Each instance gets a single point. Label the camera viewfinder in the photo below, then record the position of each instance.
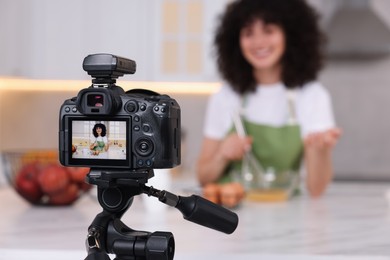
(95, 100)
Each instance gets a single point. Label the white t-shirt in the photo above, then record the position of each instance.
(99, 139)
(268, 105)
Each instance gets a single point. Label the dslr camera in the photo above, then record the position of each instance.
(122, 136)
(106, 127)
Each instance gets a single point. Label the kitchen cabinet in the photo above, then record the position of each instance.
(171, 40)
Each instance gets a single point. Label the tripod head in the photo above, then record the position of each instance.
(116, 191)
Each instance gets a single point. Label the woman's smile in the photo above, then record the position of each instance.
(262, 44)
(262, 53)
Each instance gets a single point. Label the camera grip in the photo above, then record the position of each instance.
(203, 212)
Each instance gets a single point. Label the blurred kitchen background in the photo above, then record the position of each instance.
(43, 43)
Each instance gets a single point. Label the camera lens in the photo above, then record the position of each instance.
(95, 100)
(144, 147)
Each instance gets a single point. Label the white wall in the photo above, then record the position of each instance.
(361, 98)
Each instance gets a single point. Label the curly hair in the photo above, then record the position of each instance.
(99, 125)
(303, 57)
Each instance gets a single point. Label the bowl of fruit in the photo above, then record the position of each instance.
(38, 177)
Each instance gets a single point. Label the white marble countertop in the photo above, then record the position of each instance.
(351, 221)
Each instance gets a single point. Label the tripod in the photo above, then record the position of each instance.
(116, 190)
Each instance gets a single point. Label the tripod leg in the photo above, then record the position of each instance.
(97, 255)
(107, 234)
(95, 241)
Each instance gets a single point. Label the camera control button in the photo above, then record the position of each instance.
(163, 109)
(148, 163)
(67, 109)
(140, 162)
(136, 128)
(131, 106)
(146, 128)
(74, 109)
(136, 118)
(144, 146)
(143, 107)
(156, 108)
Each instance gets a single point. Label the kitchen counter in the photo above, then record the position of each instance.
(351, 221)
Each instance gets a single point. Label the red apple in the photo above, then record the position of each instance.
(77, 174)
(53, 178)
(66, 196)
(26, 183)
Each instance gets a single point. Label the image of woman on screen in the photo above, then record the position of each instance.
(99, 141)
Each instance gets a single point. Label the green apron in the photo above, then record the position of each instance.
(278, 150)
(100, 146)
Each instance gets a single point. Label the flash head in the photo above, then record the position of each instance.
(108, 66)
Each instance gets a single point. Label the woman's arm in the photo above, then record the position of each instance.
(92, 146)
(318, 160)
(216, 154)
(106, 144)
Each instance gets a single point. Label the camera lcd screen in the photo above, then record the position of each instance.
(99, 142)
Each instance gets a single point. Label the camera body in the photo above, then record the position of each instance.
(106, 127)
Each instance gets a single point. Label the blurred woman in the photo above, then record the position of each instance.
(269, 52)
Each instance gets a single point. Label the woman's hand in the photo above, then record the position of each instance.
(234, 147)
(325, 140)
(92, 146)
(318, 159)
(217, 154)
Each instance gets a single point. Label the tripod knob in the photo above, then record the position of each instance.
(160, 245)
(114, 199)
